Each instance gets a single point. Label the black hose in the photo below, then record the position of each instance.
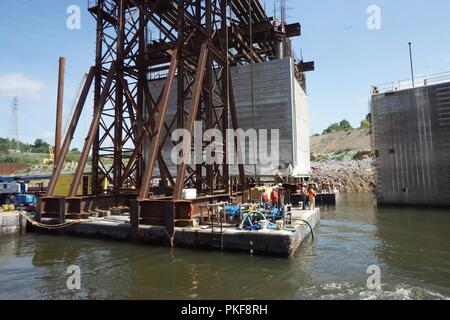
(310, 227)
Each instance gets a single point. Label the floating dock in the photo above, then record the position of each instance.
(229, 238)
(321, 198)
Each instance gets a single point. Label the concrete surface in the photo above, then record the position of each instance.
(279, 103)
(11, 223)
(412, 142)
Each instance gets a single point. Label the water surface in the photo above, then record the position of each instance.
(411, 246)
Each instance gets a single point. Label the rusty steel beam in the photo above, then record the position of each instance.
(194, 106)
(100, 32)
(70, 133)
(59, 107)
(208, 97)
(224, 34)
(92, 132)
(119, 97)
(153, 151)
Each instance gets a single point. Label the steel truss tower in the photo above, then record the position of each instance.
(188, 44)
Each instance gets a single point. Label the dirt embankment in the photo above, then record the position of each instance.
(357, 139)
(7, 169)
(346, 158)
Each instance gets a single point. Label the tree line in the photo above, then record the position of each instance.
(345, 125)
(39, 146)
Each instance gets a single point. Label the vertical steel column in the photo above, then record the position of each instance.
(143, 82)
(207, 96)
(225, 91)
(95, 185)
(199, 183)
(119, 94)
(59, 108)
(180, 72)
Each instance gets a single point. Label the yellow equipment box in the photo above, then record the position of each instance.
(63, 186)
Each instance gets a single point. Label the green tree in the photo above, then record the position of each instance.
(367, 122)
(38, 143)
(39, 146)
(344, 125)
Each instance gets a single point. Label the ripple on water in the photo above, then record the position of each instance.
(352, 291)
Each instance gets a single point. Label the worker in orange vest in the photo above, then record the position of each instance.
(264, 199)
(312, 198)
(274, 197)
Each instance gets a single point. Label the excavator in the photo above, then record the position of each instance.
(51, 157)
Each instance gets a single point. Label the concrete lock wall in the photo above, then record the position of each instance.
(279, 102)
(412, 142)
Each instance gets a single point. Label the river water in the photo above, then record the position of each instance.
(410, 246)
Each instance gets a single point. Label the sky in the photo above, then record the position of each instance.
(349, 56)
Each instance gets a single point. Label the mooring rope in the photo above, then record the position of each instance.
(172, 239)
(47, 226)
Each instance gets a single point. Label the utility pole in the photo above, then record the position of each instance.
(412, 66)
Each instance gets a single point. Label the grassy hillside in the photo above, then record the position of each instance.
(340, 145)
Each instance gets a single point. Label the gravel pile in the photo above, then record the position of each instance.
(350, 176)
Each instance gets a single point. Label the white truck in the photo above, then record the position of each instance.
(8, 189)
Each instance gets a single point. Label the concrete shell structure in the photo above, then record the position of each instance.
(412, 143)
(279, 103)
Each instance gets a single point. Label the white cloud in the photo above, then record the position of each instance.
(18, 85)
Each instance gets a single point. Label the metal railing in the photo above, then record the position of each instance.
(421, 81)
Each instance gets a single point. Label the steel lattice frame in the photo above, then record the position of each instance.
(197, 41)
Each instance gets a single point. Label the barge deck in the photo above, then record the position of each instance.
(283, 242)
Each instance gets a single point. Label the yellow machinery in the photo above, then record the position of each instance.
(8, 207)
(51, 157)
(63, 186)
(84, 189)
